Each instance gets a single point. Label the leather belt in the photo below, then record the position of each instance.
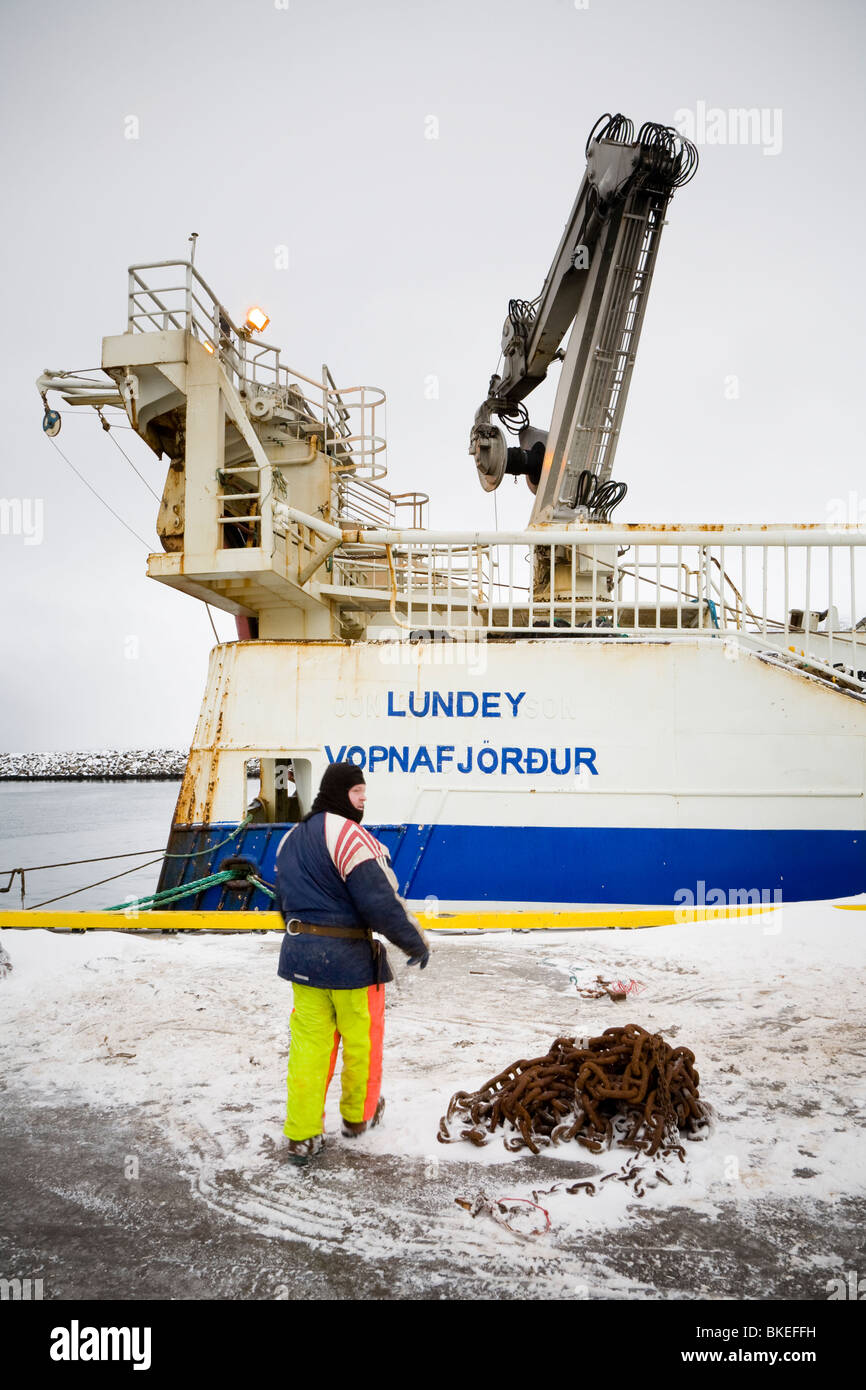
(297, 928)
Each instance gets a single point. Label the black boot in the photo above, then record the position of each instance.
(351, 1131)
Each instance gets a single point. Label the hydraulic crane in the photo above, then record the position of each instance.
(597, 285)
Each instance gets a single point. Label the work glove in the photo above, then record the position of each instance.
(420, 959)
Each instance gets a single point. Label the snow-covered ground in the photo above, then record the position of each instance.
(192, 1031)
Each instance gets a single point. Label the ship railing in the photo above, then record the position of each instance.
(348, 421)
(453, 578)
(361, 502)
(795, 590)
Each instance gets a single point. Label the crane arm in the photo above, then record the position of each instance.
(597, 285)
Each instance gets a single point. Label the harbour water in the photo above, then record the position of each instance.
(52, 822)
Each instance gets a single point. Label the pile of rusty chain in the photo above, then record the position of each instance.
(627, 1084)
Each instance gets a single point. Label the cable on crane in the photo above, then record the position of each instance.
(608, 497)
(672, 146)
(585, 488)
(617, 128)
(98, 496)
(665, 139)
(108, 429)
(119, 518)
(600, 499)
(115, 425)
(516, 418)
(522, 311)
(521, 314)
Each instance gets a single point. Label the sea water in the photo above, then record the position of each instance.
(51, 822)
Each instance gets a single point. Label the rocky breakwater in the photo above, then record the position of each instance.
(107, 764)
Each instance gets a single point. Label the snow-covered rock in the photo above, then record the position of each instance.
(107, 763)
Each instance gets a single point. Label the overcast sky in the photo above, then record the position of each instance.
(306, 124)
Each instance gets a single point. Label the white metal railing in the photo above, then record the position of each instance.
(346, 420)
(797, 591)
(428, 582)
(364, 503)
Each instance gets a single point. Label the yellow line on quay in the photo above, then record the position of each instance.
(589, 919)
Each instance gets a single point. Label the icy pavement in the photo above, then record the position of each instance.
(143, 1087)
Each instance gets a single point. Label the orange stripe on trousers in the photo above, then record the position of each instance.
(376, 1005)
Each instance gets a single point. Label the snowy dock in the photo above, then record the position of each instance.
(144, 1097)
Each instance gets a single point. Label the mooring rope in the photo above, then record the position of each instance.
(127, 854)
(171, 895)
(111, 877)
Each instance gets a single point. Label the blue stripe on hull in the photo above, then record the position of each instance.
(619, 865)
(540, 864)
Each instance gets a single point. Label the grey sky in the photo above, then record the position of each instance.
(306, 126)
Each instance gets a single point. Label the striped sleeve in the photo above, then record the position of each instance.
(350, 845)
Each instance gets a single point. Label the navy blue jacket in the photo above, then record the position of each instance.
(332, 872)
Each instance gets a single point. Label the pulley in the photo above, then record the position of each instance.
(491, 455)
(51, 421)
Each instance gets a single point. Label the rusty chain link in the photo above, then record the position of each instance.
(627, 1084)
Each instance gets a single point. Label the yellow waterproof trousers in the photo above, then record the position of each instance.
(320, 1018)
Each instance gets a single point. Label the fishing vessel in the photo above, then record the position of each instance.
(581, 717)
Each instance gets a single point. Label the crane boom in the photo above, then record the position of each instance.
(597, 285)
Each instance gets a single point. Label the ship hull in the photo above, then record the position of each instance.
(538, 773)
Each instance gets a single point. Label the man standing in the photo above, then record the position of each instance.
(335, 887)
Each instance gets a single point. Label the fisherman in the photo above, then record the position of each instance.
(335, 887)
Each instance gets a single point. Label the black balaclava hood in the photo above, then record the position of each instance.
(333, 791)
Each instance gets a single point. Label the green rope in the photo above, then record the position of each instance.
(186, 890)
(260, 883)
(197, 854)
(169, 895)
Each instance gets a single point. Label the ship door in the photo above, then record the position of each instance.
(284, 794)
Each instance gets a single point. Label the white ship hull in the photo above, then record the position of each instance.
(547, 772)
